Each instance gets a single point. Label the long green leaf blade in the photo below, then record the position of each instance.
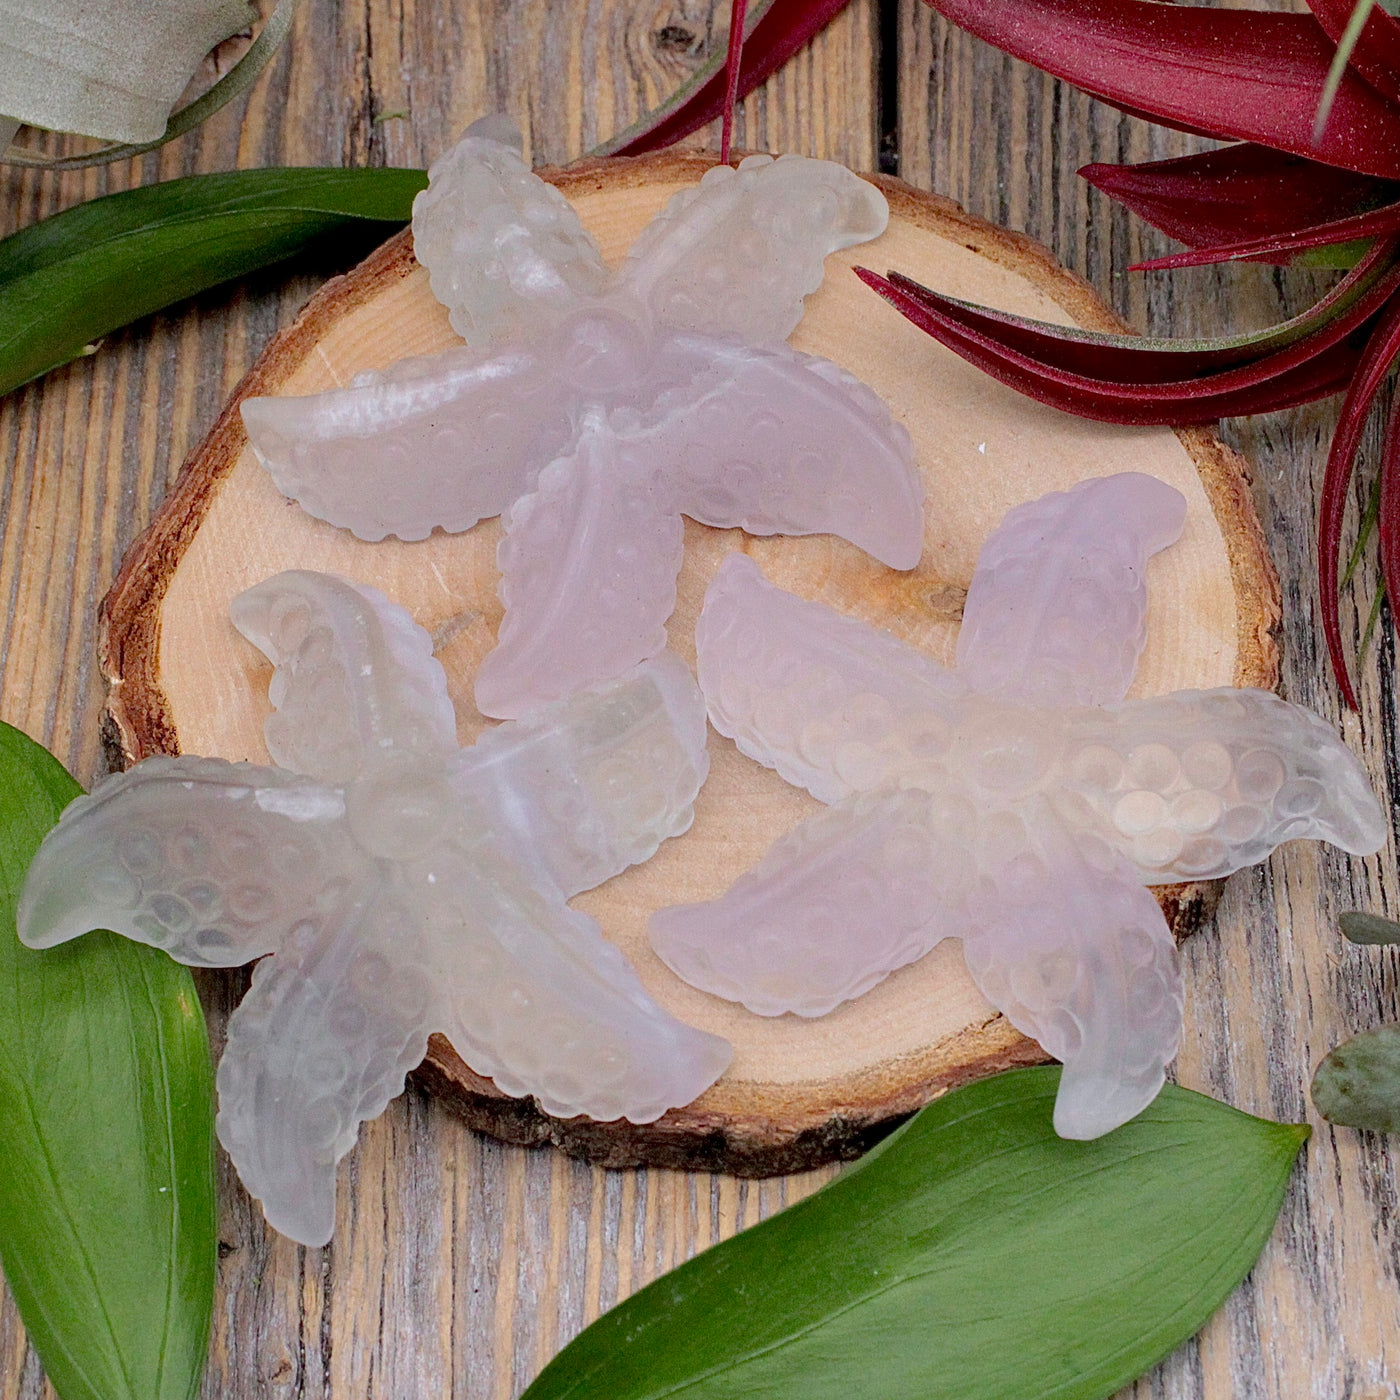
(107, 1211)
(972, 1256)
(71, 279)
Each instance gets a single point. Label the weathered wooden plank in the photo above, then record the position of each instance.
(1272, 986)
(459, 1266)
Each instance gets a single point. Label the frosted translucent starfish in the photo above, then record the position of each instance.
(1017, 802)
(597, 408)
(400, 884)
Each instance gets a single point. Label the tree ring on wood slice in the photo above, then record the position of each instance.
(800, 1092)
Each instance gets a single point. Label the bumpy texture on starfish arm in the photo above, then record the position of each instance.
(407, 888)
(1057, 611)
(444, 441)
(1062, 939)
(543, 1004)
(433, 442)
(214, 862)
(354, 676)
(825, 700)
(740, 251)
(764, 438)
(1201, 783)
(505, 251)
(588, 576)
(321, 1043)
(596, 783)
(775, 442)
(834, 907)
(1038, 806)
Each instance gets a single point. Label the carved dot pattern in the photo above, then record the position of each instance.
(1040, 818)
(502, 247)
(370, 884)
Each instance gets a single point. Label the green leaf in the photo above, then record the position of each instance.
(1358, 1084)
(107, 1215)
(1369, 928)
(1346, 46)
(972, 1256)
(71, 279)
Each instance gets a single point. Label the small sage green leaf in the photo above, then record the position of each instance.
(972, 1256)
(70, 280)
(1360, 927)
(1358, 1084)
(107, 1215)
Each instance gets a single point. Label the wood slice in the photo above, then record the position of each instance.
(800, 1092)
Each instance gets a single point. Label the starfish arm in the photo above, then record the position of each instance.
(540, 1002)
(588, 576)
(1197, 784)
(739, 252)
(836, 905)
(506, 253)
(780, 443)
(354, 675)
(217, 863)
(1064, 940)
(320, 1044)
(1056, 614)
(432, 442)
(593, 784)
(833, 705)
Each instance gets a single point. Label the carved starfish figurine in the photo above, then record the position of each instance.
(596, 409)
(394, 885)
(1017, 802)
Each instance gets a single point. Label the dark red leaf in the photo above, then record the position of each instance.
(1285, 246)
(1233, 74)
(1311, 368)
(1137, 366)
(1242, 191)
(1380, 353)
(776, 30)
(1377, 53)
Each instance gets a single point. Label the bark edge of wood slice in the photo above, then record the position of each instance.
(1218, 628)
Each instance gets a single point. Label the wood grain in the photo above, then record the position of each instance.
(466, 1264)
(799, 1092)
(1273, 986)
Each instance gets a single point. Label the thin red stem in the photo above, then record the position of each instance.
(732, 61)
(1388, 516)
(1381, 351)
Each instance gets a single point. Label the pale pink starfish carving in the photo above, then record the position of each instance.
(595, 409)
(394, 885)
(1016, 802)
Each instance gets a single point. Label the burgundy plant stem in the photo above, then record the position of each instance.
(1388, 519)
(1374, 224)
(733, 60)
(1242, 191)
(1380, 353)
(781, 29)
(1377, 53)
(1233, 74)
